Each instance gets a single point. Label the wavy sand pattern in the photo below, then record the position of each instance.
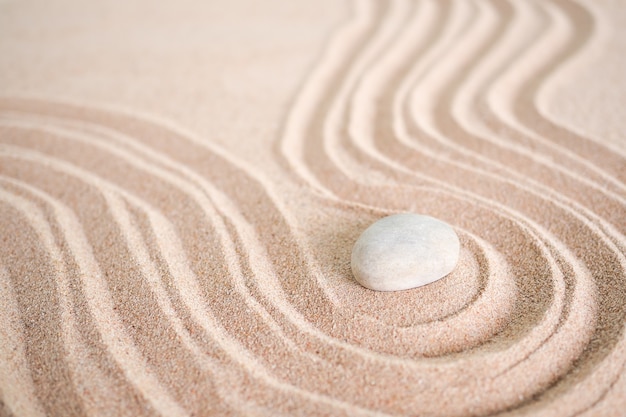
(147, 270)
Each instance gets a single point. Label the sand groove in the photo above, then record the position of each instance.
(147, 271)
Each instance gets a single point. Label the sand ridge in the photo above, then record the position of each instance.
(147, 269)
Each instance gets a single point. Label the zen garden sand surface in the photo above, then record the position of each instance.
(182, 184)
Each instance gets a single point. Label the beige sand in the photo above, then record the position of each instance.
(181, 185)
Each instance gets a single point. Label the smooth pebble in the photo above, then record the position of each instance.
(404, 251)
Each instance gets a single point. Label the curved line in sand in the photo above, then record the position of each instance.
(405, 362)
(198, 197)
(18, 387)
(187, 286)
(109, 326)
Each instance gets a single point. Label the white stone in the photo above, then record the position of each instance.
(404, 251)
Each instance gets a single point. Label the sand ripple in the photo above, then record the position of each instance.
(145, 271)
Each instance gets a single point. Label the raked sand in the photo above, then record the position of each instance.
(181, 184)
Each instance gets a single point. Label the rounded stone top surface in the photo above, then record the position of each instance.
(404, 251)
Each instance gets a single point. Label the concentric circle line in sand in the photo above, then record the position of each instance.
(560, 248)
(184, 277)
(619, 256)
(18, 388)
(595, 386)
(621, 371)
(494, 283)
(111, 329)
(543, 233)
